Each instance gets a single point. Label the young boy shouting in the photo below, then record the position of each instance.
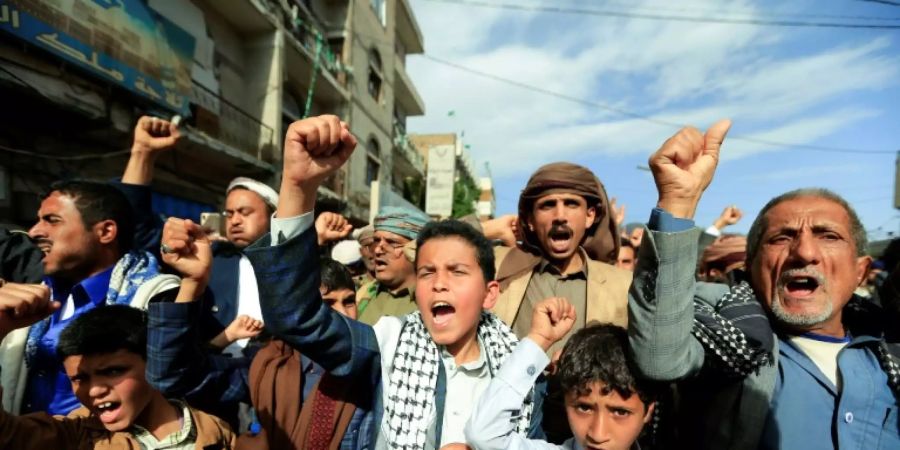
(427, 369)
(607, 407)
(104, 354)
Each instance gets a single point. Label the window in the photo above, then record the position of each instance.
(373, 161)
(380, 8)
(375, 75)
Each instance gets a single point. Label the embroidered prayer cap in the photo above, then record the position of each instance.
(601, 239)
(406, 222)
(263, 190)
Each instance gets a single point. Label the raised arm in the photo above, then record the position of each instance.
(178, 363)
(660, 306)
(287, 264)
(152, 137)
(492, 425)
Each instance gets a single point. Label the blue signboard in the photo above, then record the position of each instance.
(122, 41)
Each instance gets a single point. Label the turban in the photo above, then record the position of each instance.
(364, 233)
(724, 251)
(405, 222)
(601, 240)
(269, 196)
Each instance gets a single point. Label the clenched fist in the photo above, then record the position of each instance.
(684, 166)
(22, 305)
(331, 227)
(153, 135)
(551, 320)
(186, 248)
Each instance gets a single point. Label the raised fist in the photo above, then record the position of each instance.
(314, 148)
(153, 135)
(684, 166)
(186, 248)
(331, 227)
(22, 305)
(503, 228)
(730, 216)
(618, 212)
(551, 320)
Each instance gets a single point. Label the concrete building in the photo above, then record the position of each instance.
(487, 201)
(455, 173)
(76, 75)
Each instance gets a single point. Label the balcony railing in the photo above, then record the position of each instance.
(230, 124)
(406, 149)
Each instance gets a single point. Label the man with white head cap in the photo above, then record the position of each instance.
(248, 206)
(233, 291)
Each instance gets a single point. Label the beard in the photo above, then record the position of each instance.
(801, 320)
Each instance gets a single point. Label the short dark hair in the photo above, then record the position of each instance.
(626, 243)
(105, 329)
(97, 202)
(599, 352)
(335, 276)
(484, 251)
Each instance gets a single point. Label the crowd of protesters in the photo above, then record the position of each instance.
(557, 327)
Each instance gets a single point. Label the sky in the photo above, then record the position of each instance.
(606, 91)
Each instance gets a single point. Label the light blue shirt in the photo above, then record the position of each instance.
(493, 421)
(808, 411)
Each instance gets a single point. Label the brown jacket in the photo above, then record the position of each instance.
(607, 292)
(79, 431)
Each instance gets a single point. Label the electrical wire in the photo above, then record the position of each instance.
(669, 7)
(667, 17)
(643, 117)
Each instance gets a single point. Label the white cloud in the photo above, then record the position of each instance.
(676, 71)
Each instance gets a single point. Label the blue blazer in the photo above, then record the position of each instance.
(288, 278)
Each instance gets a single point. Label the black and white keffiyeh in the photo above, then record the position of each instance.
(738, 338)
(410, 407)
(735, 351)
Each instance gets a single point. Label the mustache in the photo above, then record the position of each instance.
(42, 241)
(786, 276)
(561, 230)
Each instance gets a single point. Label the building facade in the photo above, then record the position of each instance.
(76, 75)
(453, 188)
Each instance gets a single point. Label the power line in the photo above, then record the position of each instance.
(645, 118)
(681, 9)
(667, 17)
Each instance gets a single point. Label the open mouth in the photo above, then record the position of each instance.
(44, 246)
(442, 313)
(560, 238)
(801, 285)
(379, 263)
(108, 412)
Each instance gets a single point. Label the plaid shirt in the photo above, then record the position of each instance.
(178, 366)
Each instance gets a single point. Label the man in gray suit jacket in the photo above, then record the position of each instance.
(829, 381)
